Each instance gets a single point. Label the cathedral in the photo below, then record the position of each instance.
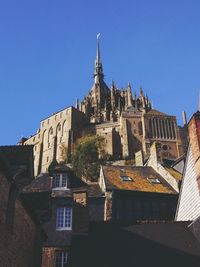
(127, 121)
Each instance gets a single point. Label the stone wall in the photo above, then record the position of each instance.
(194, 136)
(80, 214)
(48, 255)
(17, 244)
(55, 138)
(108, 206)
(133, 131)
(61, 239)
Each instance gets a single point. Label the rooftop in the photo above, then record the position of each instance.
(143, 179)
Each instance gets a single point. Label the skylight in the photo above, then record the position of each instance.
(154, 180)
(126, 178)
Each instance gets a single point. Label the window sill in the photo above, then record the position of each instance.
(60, 188)
(64, 229)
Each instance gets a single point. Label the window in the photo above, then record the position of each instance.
(61, 259)
(165, 147)
(64, 218)
(126, 178)
(154, 180)
(60, 181)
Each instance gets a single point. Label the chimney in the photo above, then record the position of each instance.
(139, 159)
(194, 137)
(156, 153)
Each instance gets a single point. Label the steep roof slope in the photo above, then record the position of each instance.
(143, 179)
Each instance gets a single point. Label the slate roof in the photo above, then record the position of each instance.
(40, 184)
(176, 235)
(17, 156)
(141, 179)
(177, 175)
(156, 112)
(94, 190)
(154, 244)
(43, 182)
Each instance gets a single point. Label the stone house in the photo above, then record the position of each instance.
(21, 232)
(65, 216)
(136, 193)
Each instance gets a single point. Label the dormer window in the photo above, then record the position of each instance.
(60, 181)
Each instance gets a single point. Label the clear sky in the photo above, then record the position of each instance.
(48, 47)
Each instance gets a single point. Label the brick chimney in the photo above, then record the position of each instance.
(194, 137)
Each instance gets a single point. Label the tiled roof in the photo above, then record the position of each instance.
(141, 179)
(156, 112)
(158, 244)
(16, 157)
(41, 184)
(177, 175)
(94, 190)
(175, 235)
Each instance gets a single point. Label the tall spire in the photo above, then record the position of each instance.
(98, 58)
(199, 102)
(98, 71)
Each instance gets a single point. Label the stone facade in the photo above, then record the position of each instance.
(55, 138)
(126, 120)
(66, 215)
(17, 243)
(194, 135)
(21, 235)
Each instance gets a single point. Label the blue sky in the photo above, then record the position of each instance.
(47, 52)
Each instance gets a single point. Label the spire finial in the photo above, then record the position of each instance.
(98, 73)
(98, 58)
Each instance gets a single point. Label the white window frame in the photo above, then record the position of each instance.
(64, 255)
(60, 225)
(60, 176)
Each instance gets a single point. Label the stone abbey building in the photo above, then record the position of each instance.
(127, 121)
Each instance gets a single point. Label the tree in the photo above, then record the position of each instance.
(87, 156)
